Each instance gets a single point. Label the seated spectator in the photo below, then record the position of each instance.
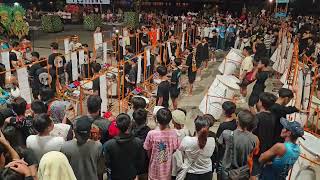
(43, 142)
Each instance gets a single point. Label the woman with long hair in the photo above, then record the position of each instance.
(197, 152)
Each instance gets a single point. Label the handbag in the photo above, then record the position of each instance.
(181, 175)
(241, 172)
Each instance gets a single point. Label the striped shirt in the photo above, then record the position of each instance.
(267, 41)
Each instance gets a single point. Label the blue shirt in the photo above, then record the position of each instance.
(280, 166)
(222, 31)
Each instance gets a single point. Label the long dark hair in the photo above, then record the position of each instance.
(202, 128)
(2, 76)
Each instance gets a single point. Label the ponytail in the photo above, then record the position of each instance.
(202, 128)
(202, 137)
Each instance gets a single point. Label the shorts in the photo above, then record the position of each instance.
(198, 64)
(192, 77)
(174, 92)
(256, 167)
(253, 100)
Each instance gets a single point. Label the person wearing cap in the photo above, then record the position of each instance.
(282, 156)
(84, 154)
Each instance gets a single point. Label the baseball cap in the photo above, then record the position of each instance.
(293, 126)
(156, 109)
(179, 117)
(83, 125)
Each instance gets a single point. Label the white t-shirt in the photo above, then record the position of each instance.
(43, 144)
(190, 147)
(206, 32)
(246, 65)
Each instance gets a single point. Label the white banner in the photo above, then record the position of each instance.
(103, 93)
(88, 1)
(74, 61)
(24, 86)
(5, 56)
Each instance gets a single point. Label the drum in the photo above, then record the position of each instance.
(304, 169)
(231, 62)
(223, 88)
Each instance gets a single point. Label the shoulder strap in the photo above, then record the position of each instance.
(232, 147)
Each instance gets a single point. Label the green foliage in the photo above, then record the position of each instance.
(92, 21)
(5, 16)
(51, 23)
(18, 28)
(131, 19)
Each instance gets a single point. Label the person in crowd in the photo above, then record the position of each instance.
(20, 122)
(205, 51)
(260, 74)
(96, 67)
(43, 142)
(6, 149)
(192, 73)
(54, 165)
(124, 152)
(175, 82)
(282, 155)
(160, 144)
(94, 112)
(24, 153)
(178, 121)
(34, 67)
(83, 154)
(245, 68)
(163, 88)
(280, 109)
(200, 57)
(57, 62)
(246, 144)
(137, 103)
(58, 113)
(229, 122)
(140, 128)
(198, 151)
(264, 130)
(268, 41)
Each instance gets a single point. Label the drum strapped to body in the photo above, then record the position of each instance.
(307, 167)
(222, 89)
(231, 62)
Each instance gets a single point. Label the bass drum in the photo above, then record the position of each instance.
(307, 168)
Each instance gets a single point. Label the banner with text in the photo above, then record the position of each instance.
(88, 1)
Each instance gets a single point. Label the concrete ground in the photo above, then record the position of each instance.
(190, 103)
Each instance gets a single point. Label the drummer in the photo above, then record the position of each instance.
(282, 155)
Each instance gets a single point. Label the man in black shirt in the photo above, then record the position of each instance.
(163, 88)
(260, 74)
(279, 110)
(57, 60)
(32, 74)
(264, 128)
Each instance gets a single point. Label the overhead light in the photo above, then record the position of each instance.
(16, 4)
(270, 1)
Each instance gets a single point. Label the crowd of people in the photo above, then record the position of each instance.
(46, 141)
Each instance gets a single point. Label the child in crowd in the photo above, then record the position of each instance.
(245, 70)
(260, 74)
(175, 82)
(161, 144)
(163, 88)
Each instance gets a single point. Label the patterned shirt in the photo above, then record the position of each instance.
(161, 144)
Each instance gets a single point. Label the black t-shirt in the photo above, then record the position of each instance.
(259, 86)
(96, 85)
(164, 91)
(279, 111)
(51, 61)
(41, 78)
(264, 130)
(230, 125)
(33, 69)
(175, 78)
